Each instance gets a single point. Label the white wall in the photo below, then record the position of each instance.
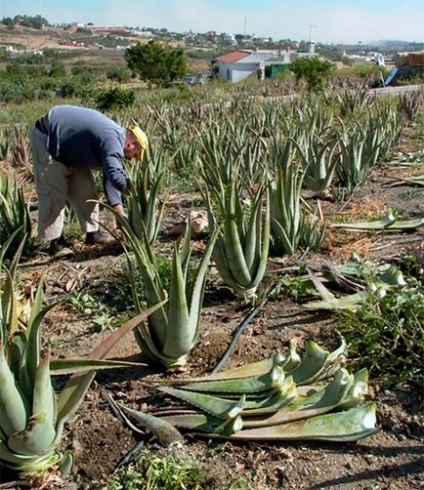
(235, 72)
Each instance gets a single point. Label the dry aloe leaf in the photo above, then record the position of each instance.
(164, 432)
(416, 180)
(330, 301)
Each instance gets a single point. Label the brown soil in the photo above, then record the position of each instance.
(391, 459)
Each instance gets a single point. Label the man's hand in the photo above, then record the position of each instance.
(120, 210)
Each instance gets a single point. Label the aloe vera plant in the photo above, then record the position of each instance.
(32, 416)
(14, 214)
(241, 252)
(172, 331)
(145, 209)
(292, 224)
(319, 163)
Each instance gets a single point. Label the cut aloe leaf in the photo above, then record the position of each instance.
(213, 405)
(318, 403)
(164, 432)
(350, 425)
(376, 225)
(311, 364)
(252, 384)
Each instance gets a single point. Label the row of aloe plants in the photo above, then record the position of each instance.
(246, 172)
(252, 186)
(252, 183)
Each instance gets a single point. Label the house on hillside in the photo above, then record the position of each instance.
(238, 65)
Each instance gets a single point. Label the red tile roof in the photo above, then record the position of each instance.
(233, 57)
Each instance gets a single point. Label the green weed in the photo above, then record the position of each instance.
(99, 313)
(152, 471)
(386, 335)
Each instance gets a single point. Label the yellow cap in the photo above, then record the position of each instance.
(141, 138)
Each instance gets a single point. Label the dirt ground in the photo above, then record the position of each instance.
(391, 459)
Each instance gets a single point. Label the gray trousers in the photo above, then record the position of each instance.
(57, 184)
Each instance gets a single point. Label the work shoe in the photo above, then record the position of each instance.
(98, 238)
(59, 248)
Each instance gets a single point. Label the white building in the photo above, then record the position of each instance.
(238, 65)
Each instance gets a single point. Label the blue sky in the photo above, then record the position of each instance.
(328, 21)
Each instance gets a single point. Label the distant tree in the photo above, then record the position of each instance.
(7, 21)
(155, 63)
(36, 22)
(312, 70)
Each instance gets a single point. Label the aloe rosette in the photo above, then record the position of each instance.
(32, 415)
(171, 332)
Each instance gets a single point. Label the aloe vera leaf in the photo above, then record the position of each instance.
(411, 224)
(44, 397)
(164, 432)
(334, 360)
(183, 335)
(350, 425)
(72, 366)
(10, 457)
(195, 422)
(351, 303)
(230, 426)
(72, 395)
(273, 403)
(252, 384)
(316, 404)
(393, 276)
(36, 438)
(179, 336)
(380, 224)
(213, 405)
(357, 391)
(276, 394)
(331, 395)
(145, 340)
(14, 407)
(311, 364)
(246, 370)
(232, 242)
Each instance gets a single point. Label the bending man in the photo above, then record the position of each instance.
(67, 144)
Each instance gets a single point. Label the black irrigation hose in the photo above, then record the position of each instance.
(239, 330)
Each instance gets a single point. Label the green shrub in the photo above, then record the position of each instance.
(114, 98)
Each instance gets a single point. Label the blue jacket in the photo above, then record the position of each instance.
(81, 137)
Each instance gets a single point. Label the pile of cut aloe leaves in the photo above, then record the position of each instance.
(313, 397)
